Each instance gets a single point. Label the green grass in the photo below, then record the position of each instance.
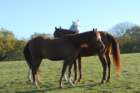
(13, 77)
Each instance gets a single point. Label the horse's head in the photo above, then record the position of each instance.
(57, 32)
(58, 29)
(60, 32)
(98, 40)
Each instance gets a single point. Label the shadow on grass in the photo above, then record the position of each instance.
(46, 88)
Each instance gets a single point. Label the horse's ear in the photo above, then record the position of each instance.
(55, 28)
(60, 27)
(95, 29)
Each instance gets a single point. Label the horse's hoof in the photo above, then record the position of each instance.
(103, 81)
(78, 81)
(74, 82)
(38, 87)
(72, 85)
(108, 81)
(61, 86)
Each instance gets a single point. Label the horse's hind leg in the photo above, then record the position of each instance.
(30, 78)
(35, 66)
(108, 63)
(30, 75)
(104, 65)
(38, 75)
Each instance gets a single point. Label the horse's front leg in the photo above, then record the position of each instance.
(69, 74)
(79, 68)
(65, 77)
(104, 65)
(63, 72)
(109, 66)
(75, 71)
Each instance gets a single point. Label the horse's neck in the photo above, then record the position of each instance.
(67, 32)
(81, 38)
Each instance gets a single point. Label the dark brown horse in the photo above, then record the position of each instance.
(62, 32)
(111, 46)
(66, 48)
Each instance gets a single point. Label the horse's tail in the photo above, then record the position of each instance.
(27, 55)
(116, 54)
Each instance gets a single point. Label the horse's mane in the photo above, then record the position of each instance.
(64, 29)
(74, 35)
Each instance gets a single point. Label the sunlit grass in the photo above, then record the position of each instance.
(13, 77)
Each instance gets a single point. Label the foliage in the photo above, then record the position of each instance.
(41, 34)
(129, 42)
(119, 29)
(17, 52)
(7, 42)
(10, 47)
(14, 77)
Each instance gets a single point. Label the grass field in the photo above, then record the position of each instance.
(13, 77)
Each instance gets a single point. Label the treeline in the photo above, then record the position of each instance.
(130, 40)
(11, 48)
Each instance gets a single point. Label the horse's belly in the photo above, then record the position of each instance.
(56, 54)
(53, 56)
(59, 52)
(87, 52)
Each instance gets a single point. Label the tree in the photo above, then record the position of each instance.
(41, 34)
(119, 29)
(129, 42)
(7, 42)
(17, 52)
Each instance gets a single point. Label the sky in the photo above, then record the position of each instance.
(26, 17)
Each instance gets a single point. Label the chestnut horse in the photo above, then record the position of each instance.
(66, 48)
(111, 45)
